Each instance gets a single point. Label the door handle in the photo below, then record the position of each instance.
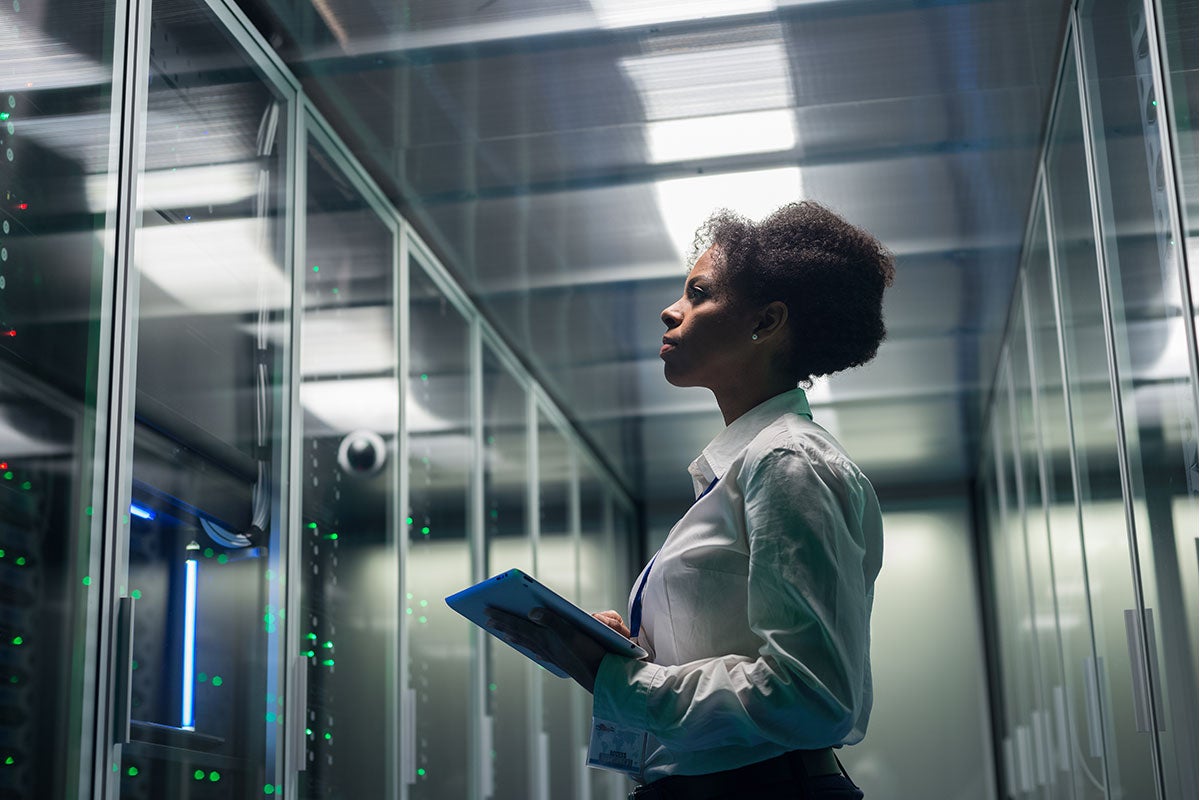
(123, 700)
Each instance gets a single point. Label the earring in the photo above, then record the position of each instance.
(754, 337)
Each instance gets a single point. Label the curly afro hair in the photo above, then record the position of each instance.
(830, 274)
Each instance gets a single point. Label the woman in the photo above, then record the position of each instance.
(756, 611)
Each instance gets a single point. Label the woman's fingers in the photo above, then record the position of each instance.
(613, 620)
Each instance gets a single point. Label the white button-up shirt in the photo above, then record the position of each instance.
(756, 612)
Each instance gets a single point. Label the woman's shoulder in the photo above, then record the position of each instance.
(795, 440)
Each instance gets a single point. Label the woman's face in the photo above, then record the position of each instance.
(708, 330)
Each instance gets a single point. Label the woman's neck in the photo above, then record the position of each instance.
(736, 400)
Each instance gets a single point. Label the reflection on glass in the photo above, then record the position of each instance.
(596, 564)
(510, 676)
(1148, 311)
(557, 563)
(438, 426)
(213, 292)
(1128, 762)
(55, 148)
(351, 404)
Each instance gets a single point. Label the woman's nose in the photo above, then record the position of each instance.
(670, 315)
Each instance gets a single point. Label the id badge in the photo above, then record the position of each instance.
(616, 748)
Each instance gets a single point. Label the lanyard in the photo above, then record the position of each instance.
(635, 614)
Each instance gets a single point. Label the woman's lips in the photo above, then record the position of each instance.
(666, 346)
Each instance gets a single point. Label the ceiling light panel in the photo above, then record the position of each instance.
(727, 135)
(632, 13)
(711, 80)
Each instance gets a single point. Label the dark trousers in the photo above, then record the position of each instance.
(782, 778)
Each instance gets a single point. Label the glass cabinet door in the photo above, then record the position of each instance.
(349, 562)
(441, 446)
(1148, 315)
(205, 536)
(1129, 761)
(56, 149)
(557, 564)
(510, 676)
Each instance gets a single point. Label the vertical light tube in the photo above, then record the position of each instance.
(189, 647)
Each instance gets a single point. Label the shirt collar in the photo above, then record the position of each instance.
(715, 459)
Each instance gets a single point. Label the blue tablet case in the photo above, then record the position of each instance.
(518, 593)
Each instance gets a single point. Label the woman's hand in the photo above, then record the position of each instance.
(553, 639)
(613, 620)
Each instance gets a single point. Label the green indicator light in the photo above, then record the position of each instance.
(4, 115)
(26, 485)
(208, 552)
(408, 595)
(408, 610)
(1154, 103)
(312, 525)
(214, 776)
(13, 679)
(309, 653)
(491, 687)
(202, 677)
(88, 511)
(216, 680)
(20, 561)
(328, 662)
(424, 603)
(136, 594)
(270, 716)
(410, 520)
(1, 554)
(308, 731)
(312, 637)
(328, 736)
(87, 580)
(316, 268)
(335, 290)
(132, 771)
(420, 772)
(8, 475)
(329, 645)
(9, 761)
(331, 536)
(269, 789)
(424, 376)
(198, 774)
(222, 559)
(135, 665)
(422, 620)
(425, 530)
(17, 640)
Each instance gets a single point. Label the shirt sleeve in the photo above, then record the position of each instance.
(808, 604)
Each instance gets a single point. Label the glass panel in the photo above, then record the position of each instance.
(557, 560)
(206, 541)
(441, 448)
(348, 556)
(1021, 690)
(1075, 716)
(55, 151)
(1049, 768)
(510, 675)
(1128, 762)
(1179, 35)
(1148, 319)
(596, 559)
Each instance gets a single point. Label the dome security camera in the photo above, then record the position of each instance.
(362, 454)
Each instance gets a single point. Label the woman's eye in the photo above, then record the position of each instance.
(695, 292)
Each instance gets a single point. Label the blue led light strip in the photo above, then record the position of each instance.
(189, 648)
(138, 511)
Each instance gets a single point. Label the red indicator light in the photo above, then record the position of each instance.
(3, 465)
(11, 333)
(23, 206)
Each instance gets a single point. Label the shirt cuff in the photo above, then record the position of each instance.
(622, 690)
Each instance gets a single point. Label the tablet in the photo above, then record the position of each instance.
(518, 593)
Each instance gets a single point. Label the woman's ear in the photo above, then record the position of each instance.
(771, 320)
